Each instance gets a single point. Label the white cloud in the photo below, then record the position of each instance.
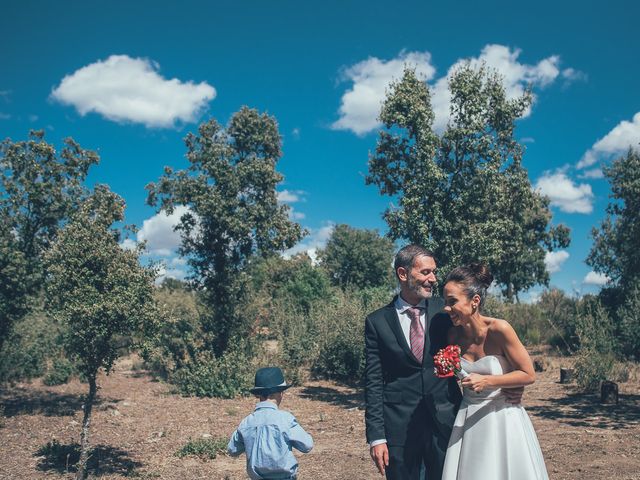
(571, 74)
(129, 244)
(158, 232)
(594, 173)
(164, 272)
(360, 105)
(125, 89)
(554, 260)
(597, 279)
(516, 77)
(624, 135)
(290, 196)
(4, 116)
(316, 239)
(564, 193)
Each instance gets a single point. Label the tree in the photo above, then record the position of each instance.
(357, 258)
(230, 189)
(616, 250)
(99, 292)
(39, 189)
(616, 244)
(13, 287)
(464, 193)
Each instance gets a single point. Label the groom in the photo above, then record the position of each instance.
(409, 411)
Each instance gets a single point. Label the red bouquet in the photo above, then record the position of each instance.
(447, 362)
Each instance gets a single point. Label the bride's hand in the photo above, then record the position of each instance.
(475, 382)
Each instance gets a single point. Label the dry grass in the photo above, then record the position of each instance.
(139, 425)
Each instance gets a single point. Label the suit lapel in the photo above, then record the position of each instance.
(394, 323)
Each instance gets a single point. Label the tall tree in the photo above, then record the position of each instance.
(616, 244)
(616, 250)
(230, 189)
(464, 193)
(99, 293)
(357, 258)
(39, 189)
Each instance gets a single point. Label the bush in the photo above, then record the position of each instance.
(60, 372)
(597, 344)
(221, 377)
(203, 448)
(342, 354)
(629, 323)
(31, 346)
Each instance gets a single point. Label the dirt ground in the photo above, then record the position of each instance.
(138, 425)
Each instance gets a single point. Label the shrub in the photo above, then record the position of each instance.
(203, 448)
(341, 355)
(221, 377)
(597, 344)
(629, 323)
(59, 373)
(31, 346)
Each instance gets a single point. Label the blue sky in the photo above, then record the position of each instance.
(131, 79)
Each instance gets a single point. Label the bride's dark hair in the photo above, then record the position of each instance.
(475, 278)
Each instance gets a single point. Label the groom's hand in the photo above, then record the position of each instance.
(380, 456)
(513, 395)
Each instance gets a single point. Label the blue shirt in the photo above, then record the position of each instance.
(267, 436)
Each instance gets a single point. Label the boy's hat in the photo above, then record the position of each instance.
(269, 380)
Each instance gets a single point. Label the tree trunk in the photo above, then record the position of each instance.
(84, 435)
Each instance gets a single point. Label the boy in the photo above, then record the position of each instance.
(269, 434)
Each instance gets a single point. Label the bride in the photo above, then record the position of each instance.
(491, 438)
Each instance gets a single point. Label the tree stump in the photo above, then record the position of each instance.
(566, 375)
(538, 365)
(609, 392)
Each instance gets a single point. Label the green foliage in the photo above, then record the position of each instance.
(464, 194)
(39, 189)
(97, 290)
(329, 341)
(226, 376)
(59, 373)
(234, 215)
(357, 258)
(294, 283)
(13, 280)
(559, 311)
(596, 355)
(628, 322)
(615, 250)
(31, 346)
(179, 336)
(203, 448)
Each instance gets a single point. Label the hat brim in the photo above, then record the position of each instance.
(268, 390)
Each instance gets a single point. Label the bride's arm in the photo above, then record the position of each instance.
(522, 374)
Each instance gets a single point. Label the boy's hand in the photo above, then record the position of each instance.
(380, 456)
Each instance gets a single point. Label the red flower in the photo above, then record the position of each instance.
(447, 361)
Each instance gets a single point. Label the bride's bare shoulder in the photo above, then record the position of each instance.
(498, 325)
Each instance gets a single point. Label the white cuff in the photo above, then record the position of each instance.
(377, 442)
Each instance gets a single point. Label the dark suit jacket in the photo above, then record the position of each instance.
(403, 398)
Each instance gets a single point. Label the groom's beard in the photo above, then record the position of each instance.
(420, 289)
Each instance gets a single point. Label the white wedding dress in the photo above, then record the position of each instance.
(491, 438)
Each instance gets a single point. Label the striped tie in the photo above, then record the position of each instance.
(416, 333)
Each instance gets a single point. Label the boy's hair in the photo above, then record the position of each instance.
(267, 396)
